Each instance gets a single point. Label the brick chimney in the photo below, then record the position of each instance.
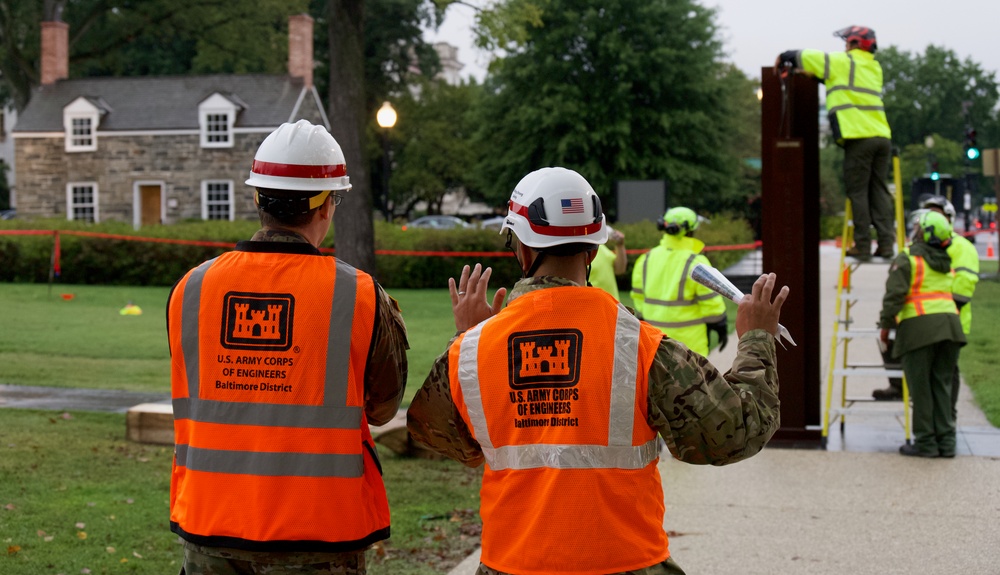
(55, 52)
(300, 47)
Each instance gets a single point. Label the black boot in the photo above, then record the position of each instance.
(888, 394)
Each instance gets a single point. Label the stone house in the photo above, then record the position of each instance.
(150, 150)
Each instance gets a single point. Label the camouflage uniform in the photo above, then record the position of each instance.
(200, 560)
(704, 417)
(385, 383)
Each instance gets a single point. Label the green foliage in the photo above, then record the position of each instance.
(832, 197)
(924, 93)
(100, 261)
(725, 229)
(431, 141)
(626, 89)
(432, 271)
(93, 260)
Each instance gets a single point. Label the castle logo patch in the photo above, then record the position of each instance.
(257, 321)
(544, 358)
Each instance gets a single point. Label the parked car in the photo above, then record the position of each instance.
(437, 222)
(494, 223)
(8, 214)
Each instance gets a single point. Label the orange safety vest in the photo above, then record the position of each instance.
(273, 451)
(554, 389)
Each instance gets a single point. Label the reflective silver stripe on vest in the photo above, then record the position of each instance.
(826, 65)
(267, 414)
(468, 379)
(269, 464)
(334, 414)
(622, 412)
(855, 89)
(618, 454)
(190, 308)
(338, 342)
(687, 323)
(836, 109)
(679, 301)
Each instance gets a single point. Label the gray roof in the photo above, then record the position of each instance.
(164, 102)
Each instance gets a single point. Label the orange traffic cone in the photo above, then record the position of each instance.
(845, 278)
(989, 249)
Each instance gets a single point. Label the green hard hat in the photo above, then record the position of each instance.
(936, 229)
(679, 220)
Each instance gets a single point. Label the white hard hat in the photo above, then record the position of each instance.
(941, 203)
(300, 156)
(555, 206)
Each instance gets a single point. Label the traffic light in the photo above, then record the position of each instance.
(971, 149)
(935, 175)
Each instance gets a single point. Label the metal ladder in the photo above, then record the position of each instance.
(839, 364)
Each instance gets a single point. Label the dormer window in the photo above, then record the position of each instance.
(216, 116)
(80, 121)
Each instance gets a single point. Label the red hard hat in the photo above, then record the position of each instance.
(863, 35)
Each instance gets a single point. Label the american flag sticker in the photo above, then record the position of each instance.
(572, 206)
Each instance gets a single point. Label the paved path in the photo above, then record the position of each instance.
(69, 399)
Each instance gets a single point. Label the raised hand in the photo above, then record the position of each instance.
(757, 311)
(468, 297)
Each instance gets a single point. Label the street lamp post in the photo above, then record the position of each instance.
(386, 118)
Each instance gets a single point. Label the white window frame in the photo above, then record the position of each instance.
(213, 112)
(81, 110)
(206, 203)
(71, 205)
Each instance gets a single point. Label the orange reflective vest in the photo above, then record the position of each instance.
(554, 389)
(930, 291)
(273, 451)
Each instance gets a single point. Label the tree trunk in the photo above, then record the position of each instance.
(353, 231)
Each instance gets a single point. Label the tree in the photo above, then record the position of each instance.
(366, 61)
(615, 89)
(924, 94)
(433, 140)
(153, 37)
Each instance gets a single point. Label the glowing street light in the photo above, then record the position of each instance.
(386, 118)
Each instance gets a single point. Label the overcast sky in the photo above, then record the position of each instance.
(755, 31)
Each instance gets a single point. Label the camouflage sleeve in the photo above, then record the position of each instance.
(433, 419)
(709, 418)
(385, 374)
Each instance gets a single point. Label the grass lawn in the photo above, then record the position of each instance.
(978, 359)
(76, 497)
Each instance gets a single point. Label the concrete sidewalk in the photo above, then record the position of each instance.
(857, 507)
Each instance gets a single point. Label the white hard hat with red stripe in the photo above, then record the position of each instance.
(300, 156)
(555, 206)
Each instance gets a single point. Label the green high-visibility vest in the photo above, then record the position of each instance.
(853, 92)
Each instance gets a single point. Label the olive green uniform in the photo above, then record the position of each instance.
(704, 417)
(928, 345)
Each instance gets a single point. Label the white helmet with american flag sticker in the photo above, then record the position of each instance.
(555, 206)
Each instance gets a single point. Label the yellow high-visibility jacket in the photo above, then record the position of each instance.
(965, 266)
(853, 92)
(664, 294)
